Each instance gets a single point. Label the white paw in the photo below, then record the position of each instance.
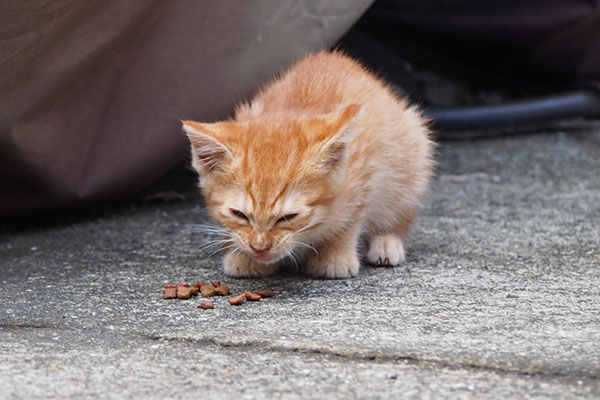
(333, 267)
(238, 265)
(385, 250)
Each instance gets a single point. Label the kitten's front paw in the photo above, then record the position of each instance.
(385, 250)
(238, 265)
(333, 266)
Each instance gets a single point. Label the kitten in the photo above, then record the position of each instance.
(324, 159)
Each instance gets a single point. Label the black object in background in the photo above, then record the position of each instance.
(544, 49)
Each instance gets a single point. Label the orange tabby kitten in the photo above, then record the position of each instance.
(324, 159)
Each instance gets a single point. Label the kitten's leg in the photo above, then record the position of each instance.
(337, 258)
(388, 249)
(239, 265)
(385, 250)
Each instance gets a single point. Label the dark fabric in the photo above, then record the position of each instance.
(91, 92)
(551, 43)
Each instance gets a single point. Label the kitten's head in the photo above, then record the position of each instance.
(272, 182)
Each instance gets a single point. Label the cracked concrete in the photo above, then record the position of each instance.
(501, 297)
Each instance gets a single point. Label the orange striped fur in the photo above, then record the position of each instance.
(322, 160)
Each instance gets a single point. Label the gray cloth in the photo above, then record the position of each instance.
(91, 92)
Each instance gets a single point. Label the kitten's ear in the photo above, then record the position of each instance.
(338, 133)
(208, 153)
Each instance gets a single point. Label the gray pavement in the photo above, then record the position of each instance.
(500, 297)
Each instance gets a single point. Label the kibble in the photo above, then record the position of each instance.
(252, 296)
(175, 285)
(207, 305)
(222, 290)
(237, 300)
(207, 291)
(266, 293)
(184, 292)
(170, 293)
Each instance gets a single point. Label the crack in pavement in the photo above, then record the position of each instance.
(547, 373)
(18, 325)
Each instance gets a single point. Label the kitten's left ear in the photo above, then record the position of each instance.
(338, 132)
(208, 153)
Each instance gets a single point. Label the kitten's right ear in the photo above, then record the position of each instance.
(208, 154)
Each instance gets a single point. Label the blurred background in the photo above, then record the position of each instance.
(91, 93)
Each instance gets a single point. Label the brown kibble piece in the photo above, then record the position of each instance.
(237, 300)
(207, 305)
(169, 293)
(174, 285)
(252, 296)
(216, 283)
(222, 290)
(194, 290)
(184, 292)
(266, 293)
(207, 291)
(199, 284)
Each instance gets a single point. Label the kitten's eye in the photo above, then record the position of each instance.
(239, 214)
(287, 218)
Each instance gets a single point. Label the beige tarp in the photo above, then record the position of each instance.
(91, 92)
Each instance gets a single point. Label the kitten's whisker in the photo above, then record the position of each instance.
(307, 227)
(294, 257)
(308, 246)
(201, 226)
(208, 233)
(220, 250)
(291, 255)
(215, 243)
(206, 229)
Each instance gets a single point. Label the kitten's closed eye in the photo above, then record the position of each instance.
(239, 214)
(287, 218)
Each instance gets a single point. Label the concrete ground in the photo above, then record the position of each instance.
(500, 297)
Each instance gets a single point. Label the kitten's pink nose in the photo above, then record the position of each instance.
(260, 247)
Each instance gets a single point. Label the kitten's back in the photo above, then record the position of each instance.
(319, 84)
(391, 158)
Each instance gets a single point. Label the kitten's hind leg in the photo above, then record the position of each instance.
(385, 250)
(239, 265)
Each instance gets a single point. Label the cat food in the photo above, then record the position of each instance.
(179, 290)
(237, 300)
(175, 285)
(207, 291)
(184, 292)
(222, 290)
(207, 305)
(252, 296)
(265, 293)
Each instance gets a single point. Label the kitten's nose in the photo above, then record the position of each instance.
(260, 247)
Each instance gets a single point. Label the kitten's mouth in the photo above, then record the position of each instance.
(265, 257)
